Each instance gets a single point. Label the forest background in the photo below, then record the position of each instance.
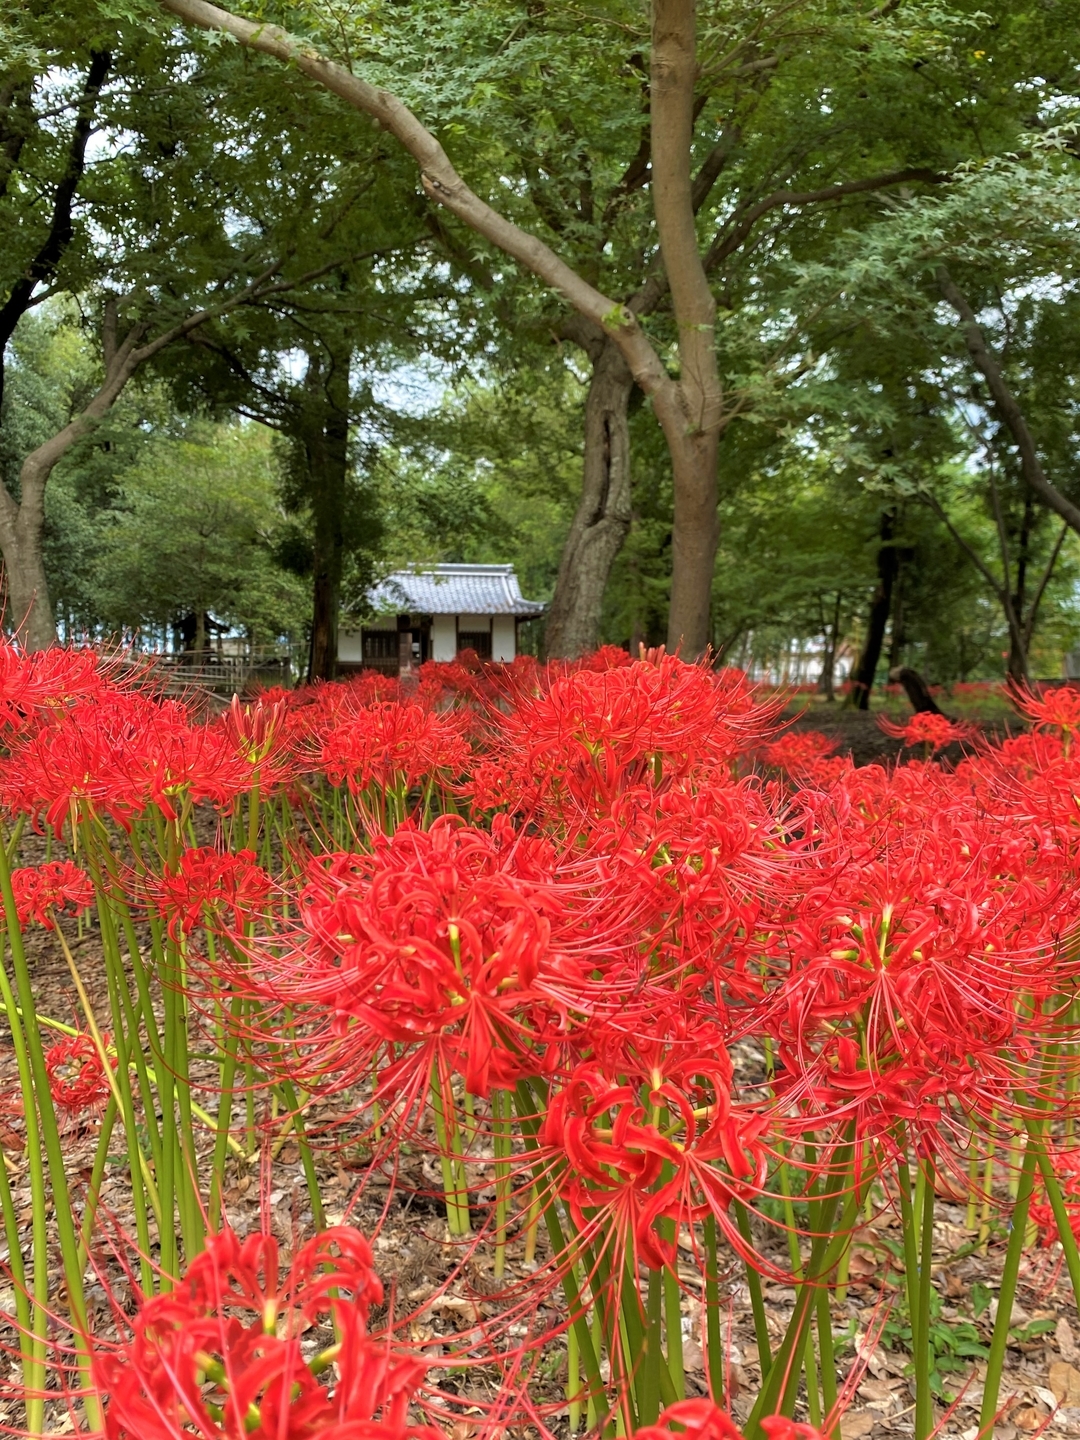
(253, 355)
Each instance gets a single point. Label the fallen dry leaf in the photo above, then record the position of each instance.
(1027, 1417)
(871, 1389)
(1063, 1338)
(855, 1425)
(1065, 1382)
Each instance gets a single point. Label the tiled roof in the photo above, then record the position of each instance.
(454, 590)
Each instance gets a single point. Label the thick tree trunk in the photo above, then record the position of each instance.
(692, 424)
(695, 534)
(602, 520)
(862, 681)
(29, 614)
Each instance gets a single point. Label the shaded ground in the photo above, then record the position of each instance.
(858, 733)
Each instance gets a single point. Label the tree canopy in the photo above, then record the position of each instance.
(736, 325)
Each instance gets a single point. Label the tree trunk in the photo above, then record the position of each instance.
(898, 637)
(326, 424)
(695, 534)
(862, 680)
(692, 423)
(29, 610)
(827, 679)
(602, 520)
(1018, 660)
(916, 690)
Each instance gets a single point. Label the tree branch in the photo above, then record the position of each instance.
(51, 251)
(441, 181)
(729, 240)
(674, 74)
(1002, 592)
(1036, 599)
(1005, 403)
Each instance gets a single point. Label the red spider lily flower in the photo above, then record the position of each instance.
(694, 1420)
(43, 890)
(916, 929)
(390, 745)
(669, 1143)
(704, 1420)
(1066, 1163)
(116, 757)
(800, 752)
(1057, 708)
(438, 938)
(77, 1079)
(260, 735)
(925, 728)
(589, 735)
(779, 1427)
(220, 1356)
(206, 879)
(35, 685)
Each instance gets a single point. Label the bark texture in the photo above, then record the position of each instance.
(602, 519)
(691, 417)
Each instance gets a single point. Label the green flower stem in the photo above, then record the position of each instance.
(573, 1379)
(120, 1093)
(714, 1336)
(673, 1314)
(649, 1371)
(780, 1387)
(34, 1348)
(910, 1238)
(49, 1130)
(1036, 1142)
(97, 1172)
(924, 1399)
(503, 1148)
(226, 1081)
(15, 1255)
(995, 1361)
(526, 1111)
(111, 906)
(24, 1311)
(457, 1205)
(191, 1217)
(307, 1160)
(753, 1281)
(827, 1361)
(125, 1038)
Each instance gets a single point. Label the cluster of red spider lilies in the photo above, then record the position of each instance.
(519, 920)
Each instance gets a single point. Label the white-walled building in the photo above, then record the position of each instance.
(434, 614)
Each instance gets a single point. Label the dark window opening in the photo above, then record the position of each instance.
(478, 640)
(380, 645)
